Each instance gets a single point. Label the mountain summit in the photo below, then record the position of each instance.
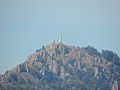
(63, 67)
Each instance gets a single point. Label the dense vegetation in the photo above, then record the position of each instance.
(109, 55)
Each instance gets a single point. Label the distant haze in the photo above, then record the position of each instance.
(27, 25)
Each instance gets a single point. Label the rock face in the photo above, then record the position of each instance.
(62, 67)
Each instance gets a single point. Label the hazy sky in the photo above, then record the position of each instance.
(27, 25)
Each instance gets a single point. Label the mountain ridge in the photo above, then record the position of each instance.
(62, 67)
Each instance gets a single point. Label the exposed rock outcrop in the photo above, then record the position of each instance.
(62, 67)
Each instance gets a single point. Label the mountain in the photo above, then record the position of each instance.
(63, 67)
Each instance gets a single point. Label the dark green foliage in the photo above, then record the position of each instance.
(36, 75)
(13, 76)
(111, 56)
(67, 50)
(22, 68)
(91, 50)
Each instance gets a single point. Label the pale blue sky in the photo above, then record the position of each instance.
(27, 25)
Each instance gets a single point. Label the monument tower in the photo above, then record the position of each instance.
(60, 38)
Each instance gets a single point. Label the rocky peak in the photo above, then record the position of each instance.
(56, 49)
(62, 66)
